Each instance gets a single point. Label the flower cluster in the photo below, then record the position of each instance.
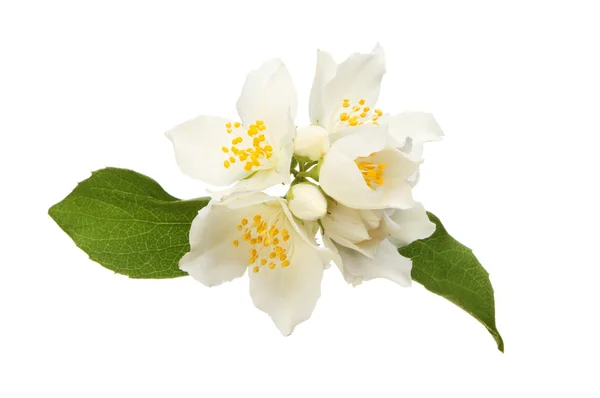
(350, 175)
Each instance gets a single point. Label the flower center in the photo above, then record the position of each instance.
(264, 240)
(358, 114)
(371, 172)
(251, 154)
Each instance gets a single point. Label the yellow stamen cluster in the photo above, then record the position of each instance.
(264, 241)
(357, 115)
(371, 172)
(253, 154)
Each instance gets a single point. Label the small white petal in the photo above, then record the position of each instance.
(344, 224)
(211, 259)
(409, 225)
(198, 149)
(387, 263)
(267, 94)
(416, 127)
(289, 295)
(325, 71)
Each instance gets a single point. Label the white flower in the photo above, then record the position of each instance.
(343, 99)
(257, 232)
(221, 151)
(367, 241)
(306, 201)
(311, 142)
(363, 171)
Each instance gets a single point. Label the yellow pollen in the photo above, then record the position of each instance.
(275, 241)
(362, 102)
(346, 100)
(346, 104)
(363, 115)
(254, 154)
(366, 109)
(353, 121)
(372, 173)
(378, 112)
(344, 116)
(226, 164)
(259, 234)
(356, 108)
(229, 131)
(237, 124)
(228, 125)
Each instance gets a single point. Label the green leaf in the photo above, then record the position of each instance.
(126, 222)
(448, 268)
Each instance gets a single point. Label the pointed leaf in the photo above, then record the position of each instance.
(448, 268)
(126, 222)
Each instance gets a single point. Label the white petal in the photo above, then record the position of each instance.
(388, 263)
(289, 295)
(344, 222)
(211, 259)
(341, 179)
(325, 71)
(268, 93)
(397, 190)
(407, 226)
(359, 77)
(198, 147)
(262, 179)
(419, 127)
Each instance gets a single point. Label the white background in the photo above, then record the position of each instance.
(514, 85)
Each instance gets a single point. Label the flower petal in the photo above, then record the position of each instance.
(267, 94)
(416, 127)
(357, 78)
(341, 178)
(210, 259)
(289, 295)
(407, 226)
(325, 71)
(198, 145)
(388, 263)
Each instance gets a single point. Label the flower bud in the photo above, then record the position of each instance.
(311, 142)
(307, 202)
